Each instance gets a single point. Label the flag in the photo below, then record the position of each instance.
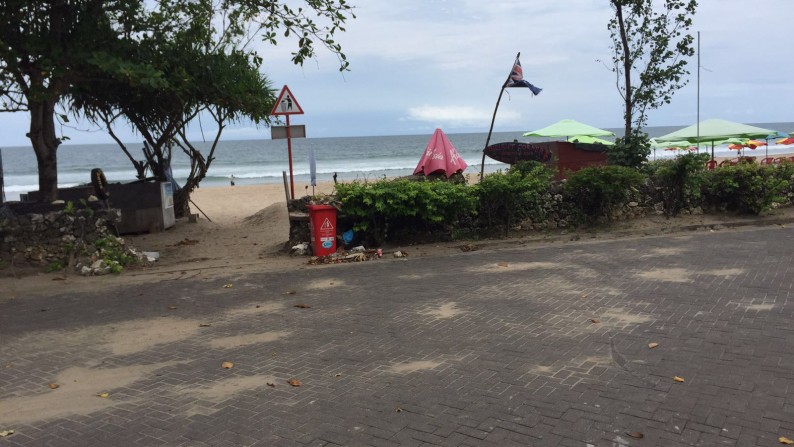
(312, 166)
(517, 79)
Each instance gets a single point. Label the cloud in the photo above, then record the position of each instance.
(418, 63)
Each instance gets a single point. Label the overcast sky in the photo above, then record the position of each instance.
(421, 64)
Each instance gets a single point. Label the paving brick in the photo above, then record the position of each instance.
(517, 363)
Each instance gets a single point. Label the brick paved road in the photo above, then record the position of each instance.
(482, 348)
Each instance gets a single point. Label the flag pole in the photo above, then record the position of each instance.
(490, 130)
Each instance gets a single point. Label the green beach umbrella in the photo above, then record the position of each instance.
(567, 128)
(715, 131)
(677, 144)
(589, 140)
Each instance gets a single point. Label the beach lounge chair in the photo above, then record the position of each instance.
(711, 164)
(767, 161)
(726, 163)
(779, 160)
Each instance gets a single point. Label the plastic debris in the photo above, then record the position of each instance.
(300, 249)
(151, 256)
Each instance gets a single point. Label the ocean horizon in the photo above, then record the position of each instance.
(263, 161)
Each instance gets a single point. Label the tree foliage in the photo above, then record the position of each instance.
(73, 49)
(650, 44)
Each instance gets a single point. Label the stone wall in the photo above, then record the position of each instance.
(55, 238)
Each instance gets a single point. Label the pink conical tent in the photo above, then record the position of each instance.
(440, 155)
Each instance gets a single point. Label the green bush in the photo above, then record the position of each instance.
(403, 207)
(597, 190)
(747, 188)
(677, 182)
(115, 254)
(785, 171)
(504, 198)
(631, 151)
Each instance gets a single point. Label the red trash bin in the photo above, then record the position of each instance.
(322, 223)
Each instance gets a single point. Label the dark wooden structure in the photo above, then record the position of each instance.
(562, 156)
(145, 206)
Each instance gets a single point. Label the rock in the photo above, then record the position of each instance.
(98, 264)
(86, 271)
(633, 204)
(398, 254)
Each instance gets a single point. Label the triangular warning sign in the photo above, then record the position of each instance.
(326, 225)
(286, 104)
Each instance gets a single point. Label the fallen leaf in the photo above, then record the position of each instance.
(5, 433)
(294, 382)
(636, 434)
(338, 375)
(271, 384)
(652, 345)
(54, 386)
(103, 395)
(678, 379)
(502, 264)
(289, 292)
(594, 321)
(227, 365)
(171, 307)
(227, 286)
(398, 410)
(303, 306)
(584, 296)
(187, 241)
(205, 325)
(785, 440)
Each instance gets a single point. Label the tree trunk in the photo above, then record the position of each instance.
(45, 144)
(626, 66)
(182, 203)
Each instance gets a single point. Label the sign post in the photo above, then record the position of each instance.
(287, 105)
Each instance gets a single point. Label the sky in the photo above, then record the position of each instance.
(418, 65)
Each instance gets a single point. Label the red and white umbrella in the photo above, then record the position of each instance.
(785, 141)
(440, 155)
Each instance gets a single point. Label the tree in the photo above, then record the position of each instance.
(57, 46)
(184, 77)
(39, 54)
(650, 47)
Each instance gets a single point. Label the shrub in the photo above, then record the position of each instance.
(678, 181)
(595, 191)
(115, 253)
(747, 188)
(403, 206)
(517, 194)
(631, 151)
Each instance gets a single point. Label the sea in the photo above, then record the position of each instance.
(263, 161)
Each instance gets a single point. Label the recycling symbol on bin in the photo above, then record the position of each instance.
(326, 225)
